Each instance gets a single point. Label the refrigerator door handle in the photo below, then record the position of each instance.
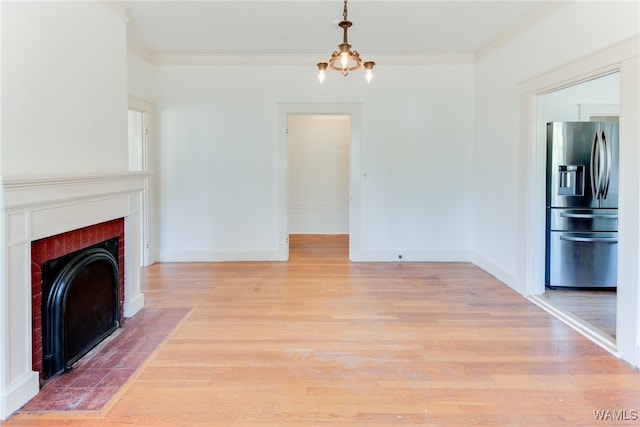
(607, 152)
(588, 216)
(601, 163)
(598, 159)
(589, 239)
(592, 166)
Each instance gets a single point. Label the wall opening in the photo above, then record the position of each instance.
(354, 115)
(318, 173)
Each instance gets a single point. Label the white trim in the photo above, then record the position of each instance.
(133, 305)
(530, 21)
(319, 108)
(628, 301)
(602, 62)
(148, 197)
(32, 192)
(140, 105)
(355, 186)
(18, 393)
(495, 271)
(219, 256)
(299, 60)
(585, 329)
(118, 8)
(138, 49)
(283, 183)
(414, 256)
(43, 181)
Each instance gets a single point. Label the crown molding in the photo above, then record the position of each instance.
(548, 9)
(445, 58)
(304, 60)
(138, 49)
(116, 7)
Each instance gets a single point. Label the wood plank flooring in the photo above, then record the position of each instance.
(594, 307)
(322, 341)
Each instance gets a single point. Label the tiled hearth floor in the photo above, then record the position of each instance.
(96, 377)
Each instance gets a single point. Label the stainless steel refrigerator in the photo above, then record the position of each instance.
(582, 204)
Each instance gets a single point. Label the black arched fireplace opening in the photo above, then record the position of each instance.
(80, 304)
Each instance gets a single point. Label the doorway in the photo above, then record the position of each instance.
(138, 132)
(318, 173)
(319, 155)
(318, 176)
(141, 155)
(595, 100)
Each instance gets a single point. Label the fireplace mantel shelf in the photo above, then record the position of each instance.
(9, 182)
(27, 191)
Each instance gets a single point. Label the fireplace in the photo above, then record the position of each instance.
(79, 304)
(77, 289)
(77, 212)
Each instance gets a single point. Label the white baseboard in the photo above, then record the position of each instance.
(18, 393)
(592, 333)
(218, 256)
(134, 305)
(506, 278)
(410, 256)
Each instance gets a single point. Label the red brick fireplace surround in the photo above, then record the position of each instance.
(52, 247)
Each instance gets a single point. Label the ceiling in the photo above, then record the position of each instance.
(307, 27)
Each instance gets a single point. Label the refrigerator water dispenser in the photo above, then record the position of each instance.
(571, 180)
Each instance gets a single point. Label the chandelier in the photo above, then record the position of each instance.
(344, 59)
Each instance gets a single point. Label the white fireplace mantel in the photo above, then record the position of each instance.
(36, 207)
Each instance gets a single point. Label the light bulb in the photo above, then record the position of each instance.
(322, 68)
(368, 67)
(344, 60)
(369, 75)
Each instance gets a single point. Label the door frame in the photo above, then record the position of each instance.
(147, 197)
(355, 112)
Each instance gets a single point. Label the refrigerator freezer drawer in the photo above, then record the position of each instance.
(562, 219)
(582, 259)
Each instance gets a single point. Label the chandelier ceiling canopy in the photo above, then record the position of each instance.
(344, 59)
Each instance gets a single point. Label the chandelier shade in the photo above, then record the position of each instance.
(345, 60)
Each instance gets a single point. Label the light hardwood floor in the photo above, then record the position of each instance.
(596, 308)
(321, 341)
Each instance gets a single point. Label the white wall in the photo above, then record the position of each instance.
(219, 165)
(1, 106)
(64, 88)
(139, 75)
(560, 38)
